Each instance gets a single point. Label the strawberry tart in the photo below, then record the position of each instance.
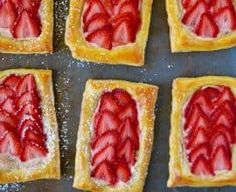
(115, 136)
(201, 25)
(109, 31)
(203, 127)
(29, 148)
(26, 26)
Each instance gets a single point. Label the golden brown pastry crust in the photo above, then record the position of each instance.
(130, 54)
(145, 96)
(183, 40)
(179, 172)
(51, 170)
(41, 44)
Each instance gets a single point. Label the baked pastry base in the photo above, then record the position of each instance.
(179, 172)
(145, 96)
(51, 168)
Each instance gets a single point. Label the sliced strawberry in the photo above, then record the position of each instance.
(223, 118)
(207, 26)
(27, 84)
(122, 171)
(217, 5)
(9, 105)
(226, 19)
(31, 151)
(29, 123)
(29, 97)
(4, 129)
(12, 81)
(32, 135)
(212, 93)
(8, 14)
(192, 116)
(93, 7)
(128, 131)
(130, 111)
(97, 21)
(126, 151)
(26, 26)
(122, 96)
(219, 139)
(7, 118)
(226, 95)
(5, 92)
(192, 17)
(202, 149)
(107, 121)
(101, 37)
(228, 132)
(10, 144)
(107, 4)
(188, 4)
(198, 137)
(227, 106)
(108, 154)
(221, 159)
(201, 167)
(129, 6)
(29, 111)
(30, 5)
(108, 138)
(104, 172)
(109, 103)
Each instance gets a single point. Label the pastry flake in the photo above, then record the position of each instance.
(26, 26)
(199, 25)
(112, 32)
(202, 139)
(29, 148)
(115, 135)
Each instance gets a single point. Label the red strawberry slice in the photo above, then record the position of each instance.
(27, 84)
(221, 159)
(5, 92)
(129, 6)
(10, 144)
(227, 106)
(29, 97)
(223, 118)
(107, 121)
(29, 111)
(108, 138)
(228, 132)
(7, 118)
(32, 135)
(126, 151)
(109, 103)
(128, 131)
(217, 5)
(129, 112)
(122, 171)
(201, 167)
(226, 95)
(108, 154)
(101, 37)
(122, 97)
(219, 139)
(226, 19)
(9, 106)
(192, 17)
(192, 116)
(7, 14)
(198, 137)
(97, 21)
(202, 149)
(12, 81)
(31, 151)
(188, 4)
(30, 5)
(29, 124)
(104, 172)
(4, 129)
(26, 26)
(94, 6)
(207, 26)
(212, 93)
(123, 33)
(107, 4)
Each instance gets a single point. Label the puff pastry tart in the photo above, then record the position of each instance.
(109, 31)
(115, 136)
(203, 127)
(29, 148)
(201, 25)
(26, 26)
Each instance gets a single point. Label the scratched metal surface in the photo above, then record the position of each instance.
(161, 67)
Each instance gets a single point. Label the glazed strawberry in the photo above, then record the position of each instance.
(199, 136)
(129, 6)
(221, 159)
(9, 105)
(34, 136)
(29, 97)
(97, 21)
(122, 97)
(107, 4)
(29, 112)
(5, 92)
(29, 124)
(10, 144)
(31, 151)
(126, 151)
(4, 129)
(212, 93)
(202, 167)
(8, 14)
(202, 149)
(26, 26)
(109, 103)
(101, 37)
(129, 111)
(122, 172)
(219, 139)
(31, 5)
(12, 81)
(27, 84)
(228, 132)
(7, 118)
(105, 173)
(207, 26)
(217, 5)
(188, 4)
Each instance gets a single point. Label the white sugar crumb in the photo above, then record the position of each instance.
(170, 66)
(12, 187)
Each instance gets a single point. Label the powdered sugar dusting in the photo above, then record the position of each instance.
(12, 187)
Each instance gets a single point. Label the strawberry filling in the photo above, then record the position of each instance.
(111, 23)
(21, 128)
(20, 19)
(209, 18)
(209, 130)
(115, 140)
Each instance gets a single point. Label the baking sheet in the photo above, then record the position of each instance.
(161, 68)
